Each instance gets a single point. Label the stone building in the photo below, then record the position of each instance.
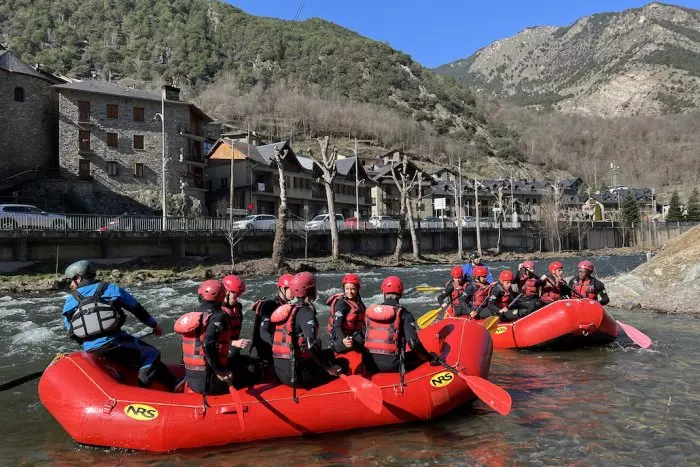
(111, 146)
(28, 119)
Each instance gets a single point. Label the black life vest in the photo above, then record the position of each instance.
(481, 295)
(585, 288)
(383, 329)
(353, 321)
(285, 341)
(193, 327)
(235, 315)
(95, 317)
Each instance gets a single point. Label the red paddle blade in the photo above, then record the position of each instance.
(239, 405)
(494, 396)
(637, 336)
(365, 391)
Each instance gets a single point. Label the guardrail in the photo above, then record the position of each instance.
(99, 223)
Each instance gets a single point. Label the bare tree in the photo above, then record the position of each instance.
(328, 170)
(302, 232)
(455, 188)
(405, 183)
(477, 213)
(280, 243)
(233, 237)
(499, 212)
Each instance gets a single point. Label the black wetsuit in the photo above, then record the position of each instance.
(459, 310)
(206, 382)
(262, 335)
(598, 288)
(337, 334)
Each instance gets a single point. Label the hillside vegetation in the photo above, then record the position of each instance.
(231, 62)
(637, 62)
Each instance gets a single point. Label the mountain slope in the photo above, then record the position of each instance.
(194, 42)
(639, 61)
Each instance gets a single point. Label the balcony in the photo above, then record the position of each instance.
(261, 187)
(84, 117)
(193, 133)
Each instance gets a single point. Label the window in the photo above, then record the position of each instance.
(84, 169)
(83, 140)
(112, 111)
(138, 142)
(19, 94)
(112, 168)
(138, 170)
(83, 111)
(138, 114)
(113, 140)
(224, 182)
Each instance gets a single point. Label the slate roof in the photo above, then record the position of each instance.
(112, 89)
(12, 63)
(642, 195)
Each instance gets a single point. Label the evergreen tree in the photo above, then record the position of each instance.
(597, 213)
(629, 210)
(694, 206)
(675, 214)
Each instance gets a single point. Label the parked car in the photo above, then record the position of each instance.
(353, 223)
(256, 221)
(466, 220)
(25, 216)
(383, 222)
(322, 222)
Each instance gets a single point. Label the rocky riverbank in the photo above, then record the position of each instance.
(669, 283)
(164, 271)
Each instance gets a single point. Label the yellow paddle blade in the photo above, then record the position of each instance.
(428, 318)
(427, 288)
(490, 323)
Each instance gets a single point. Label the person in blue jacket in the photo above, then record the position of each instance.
(93, 315)
(475, 260)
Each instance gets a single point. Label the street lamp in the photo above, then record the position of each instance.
(161, 115)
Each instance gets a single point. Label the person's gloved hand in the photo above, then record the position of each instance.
(434, 359)
(335, 370)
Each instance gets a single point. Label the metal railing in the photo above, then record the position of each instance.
(127, 223)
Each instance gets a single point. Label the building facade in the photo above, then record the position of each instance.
(28, 119)
(111, 142)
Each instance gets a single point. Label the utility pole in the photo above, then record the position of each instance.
(459, 216)
(476, 215)
(163, 226)
(357, 187)
(232, 186)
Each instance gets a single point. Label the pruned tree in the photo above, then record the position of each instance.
(499, 213)
(405, 183)
(233, 237)
(328, 172)
(279, 245)
(299, 229)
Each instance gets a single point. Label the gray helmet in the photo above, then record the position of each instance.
(82, 268)
(474, 254)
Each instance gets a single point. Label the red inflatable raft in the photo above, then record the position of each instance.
(564, 324)
(82, 392)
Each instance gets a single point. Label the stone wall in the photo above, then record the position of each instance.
(143, 191)
(28, 130)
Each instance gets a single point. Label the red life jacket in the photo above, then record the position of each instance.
(283, 341)
(235, 315)
(585, 289)
(551, 290)
(353, 321)
(529, 286)
(257, 306)
(193, 327)
(505, 299)
(481, 295)
(457, 291)
(382, 329)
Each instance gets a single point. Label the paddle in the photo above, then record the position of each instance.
(637, 336)
(238, 403)
(428, 288)
(365, 391)
(427, 319)
(490, 323)
(26, 378)
(493, 396)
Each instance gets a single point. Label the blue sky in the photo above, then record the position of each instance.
(440, 31)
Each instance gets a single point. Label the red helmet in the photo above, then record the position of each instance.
(587, 265)
(392, 284)
(554, 265)
(302, 284)
(233, 284)
(479, 271)
(457, 272)
(211, 290)
(506, 275)
(528, 264)
(285, 280)
(351, 279)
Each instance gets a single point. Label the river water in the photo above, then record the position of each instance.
(608, 406)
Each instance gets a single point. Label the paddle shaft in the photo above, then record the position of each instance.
(492, 395)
